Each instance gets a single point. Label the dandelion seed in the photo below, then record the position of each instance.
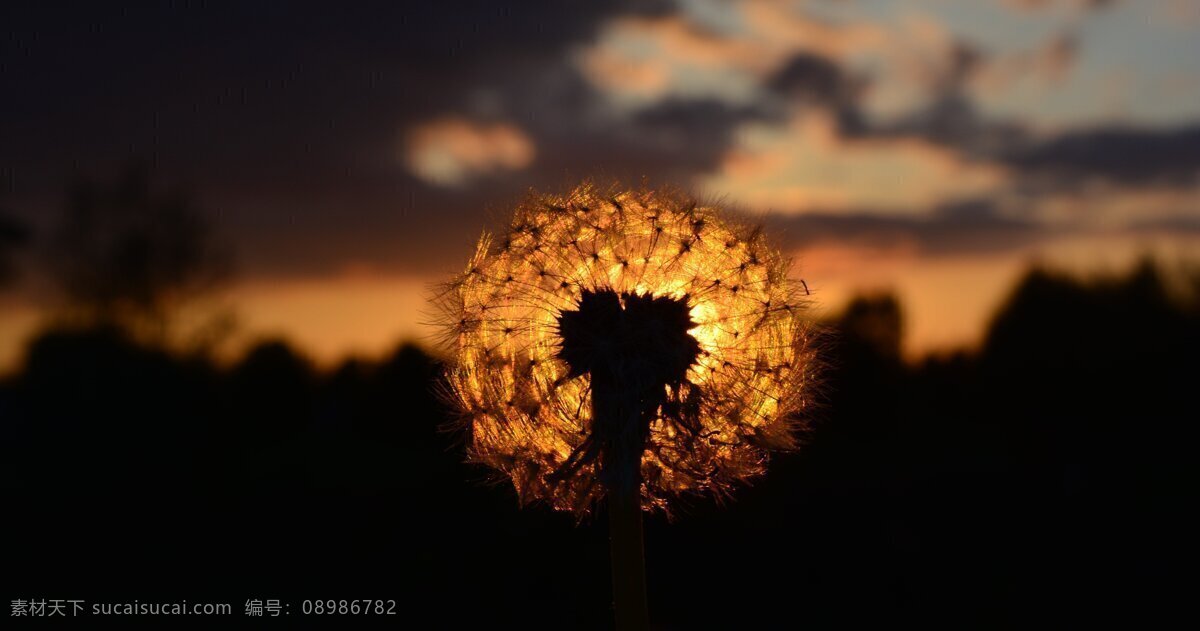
(691, 316)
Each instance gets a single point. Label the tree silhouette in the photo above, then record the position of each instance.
(128, 256)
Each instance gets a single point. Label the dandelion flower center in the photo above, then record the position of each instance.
(634, 347)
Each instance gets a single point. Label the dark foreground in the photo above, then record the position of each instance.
(1043, 480)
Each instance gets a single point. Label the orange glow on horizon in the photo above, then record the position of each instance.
(948, 300)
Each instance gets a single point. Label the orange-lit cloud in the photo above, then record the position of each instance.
(639, 60)
(1073, 5)
(1108, 206)
(904, 58)
(1041, 68)
(806, 165)
(451, 151)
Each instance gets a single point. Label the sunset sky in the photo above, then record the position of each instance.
(350, 155)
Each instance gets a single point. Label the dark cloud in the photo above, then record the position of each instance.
(693, 133)
(262, 85)
(1035, 5)
(951, 117)
(1173, 225)
(965, 60)
(952, 120)
(814, 79)
(1130, 156)
(970, 227)
(283, 118)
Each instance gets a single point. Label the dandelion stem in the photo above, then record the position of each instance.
(628, 561)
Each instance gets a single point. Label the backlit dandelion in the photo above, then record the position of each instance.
(720, 333)
(625, 343)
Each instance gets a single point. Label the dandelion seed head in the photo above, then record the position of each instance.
(747, 372)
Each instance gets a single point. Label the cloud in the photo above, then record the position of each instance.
(814, 79)
(805, 165)
(971, 227)
(1131, 156)
(696, 132)
(1001, 224)
(305, 175)
(1048, 64)
(307, 113)
(1174, 225)
(638, 61)
(780, 26)
(451, 151)
(1040, 5)
(1107, 206)
(885, 66)
(953, 121)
